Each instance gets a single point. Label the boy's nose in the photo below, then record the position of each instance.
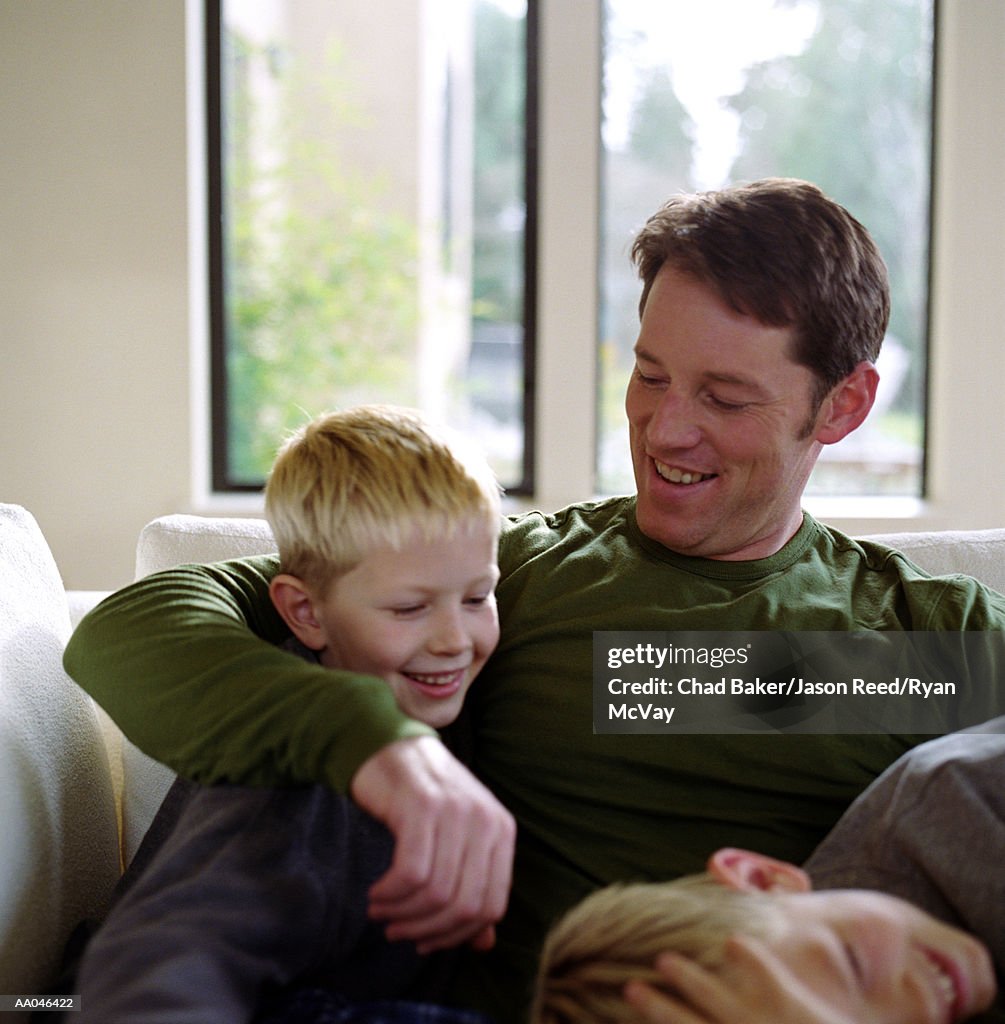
(449, 635)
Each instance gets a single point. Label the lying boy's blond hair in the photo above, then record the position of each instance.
(616, 934)
(751, 940)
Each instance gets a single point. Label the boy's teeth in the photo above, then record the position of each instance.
(440, 679)
(943, 982)
(946, 986)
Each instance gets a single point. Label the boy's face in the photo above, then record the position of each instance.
(878, 959)
(422, 618)
(873, 957)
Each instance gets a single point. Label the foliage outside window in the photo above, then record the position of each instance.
(834, 91)
(371, 220)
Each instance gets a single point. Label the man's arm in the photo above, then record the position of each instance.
(185, 662)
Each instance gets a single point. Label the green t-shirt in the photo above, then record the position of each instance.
(172, 660)
(598, 808)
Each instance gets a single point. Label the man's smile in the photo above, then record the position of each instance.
(676, 475)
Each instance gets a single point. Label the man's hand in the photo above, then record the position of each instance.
(756, 987)
(449, 880)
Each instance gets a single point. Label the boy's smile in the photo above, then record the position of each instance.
(422, 618)
(881, 959)
(869, 956)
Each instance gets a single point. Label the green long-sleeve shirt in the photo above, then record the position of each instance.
(173, 661)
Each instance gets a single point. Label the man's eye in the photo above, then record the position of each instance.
(647, 379)
(476, 600)
(725, 406)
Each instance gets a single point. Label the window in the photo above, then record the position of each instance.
(376, 207)
(369, 220)
(834, 91)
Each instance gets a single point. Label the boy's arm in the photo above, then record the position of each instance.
(185, 662)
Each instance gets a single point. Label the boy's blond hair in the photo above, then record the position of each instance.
(617, 933)
(371, 475)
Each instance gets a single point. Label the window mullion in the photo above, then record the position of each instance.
(568, 205)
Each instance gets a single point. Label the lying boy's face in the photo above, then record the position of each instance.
(422, 618)
(878, 959)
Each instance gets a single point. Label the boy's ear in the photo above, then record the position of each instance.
(295, 603)
(848, 404)
(754, 872)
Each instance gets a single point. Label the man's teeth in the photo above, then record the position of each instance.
(679, 476)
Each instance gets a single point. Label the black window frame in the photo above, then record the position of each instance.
(221, 480)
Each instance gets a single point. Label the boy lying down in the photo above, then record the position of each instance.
(750, 940)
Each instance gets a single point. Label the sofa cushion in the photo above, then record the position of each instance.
(164, 543)
(177, 539)
(977, 553)
(58, 830)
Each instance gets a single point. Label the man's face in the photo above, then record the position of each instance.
(720, 423)
(875, 959)
(422, 618)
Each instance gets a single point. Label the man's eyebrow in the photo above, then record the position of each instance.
(641, 353)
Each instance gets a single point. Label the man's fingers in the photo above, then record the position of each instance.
(758, 987)
(421, 872)
(457, 854)
(466, 890)
(660, 1007)
(449, 879)
(698, 995)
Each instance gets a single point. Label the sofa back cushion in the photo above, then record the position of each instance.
(177, 539)
(977, 553)
(164, 543)
(172, 540)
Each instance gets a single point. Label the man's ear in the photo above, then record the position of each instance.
(294, 601)
(848, 404)
(754, 872)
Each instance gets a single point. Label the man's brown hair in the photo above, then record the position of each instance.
(781, 251)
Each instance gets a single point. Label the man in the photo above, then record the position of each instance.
(763, 310)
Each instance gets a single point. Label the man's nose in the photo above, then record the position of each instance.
(674, 422)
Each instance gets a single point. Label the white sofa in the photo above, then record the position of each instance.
(75, 798)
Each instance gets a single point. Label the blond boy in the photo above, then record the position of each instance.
(254, 902)
(748, 942)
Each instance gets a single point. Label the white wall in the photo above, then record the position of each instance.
(94, 395)
(95, 398)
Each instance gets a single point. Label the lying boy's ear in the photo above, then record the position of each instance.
(295, 603)
(754, 872)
